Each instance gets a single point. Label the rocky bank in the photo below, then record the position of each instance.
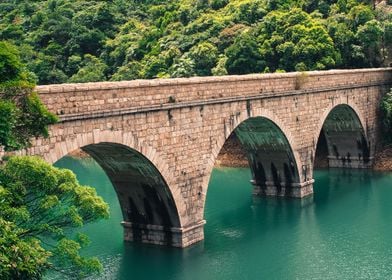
(383, 159)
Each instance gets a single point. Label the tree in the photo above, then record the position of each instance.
(360, 15)
(220, 68)
(243, 56)
(130, 71)
(182, 67)
(387, 40)
(205, 56)
(93, 70)
(22, 115)
(295, 41)
(39, 205)
(370, 36)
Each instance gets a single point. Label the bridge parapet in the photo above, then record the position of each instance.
(102, 99)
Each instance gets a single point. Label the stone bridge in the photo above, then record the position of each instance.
(157, 140)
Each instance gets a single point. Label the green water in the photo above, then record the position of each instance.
(343, 232)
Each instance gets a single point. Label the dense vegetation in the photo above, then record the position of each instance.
(22, 115)
(39, 204)
(85, 40)
(386, 117)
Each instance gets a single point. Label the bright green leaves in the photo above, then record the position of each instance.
(243, 57)
(370, 36)
(22, 115)
(360, 15)
(8, 119)
(220, 68)
(68, 257)
(39, 204)
(89, 204)
(35, 117)
(205, 56)
(294, 41)
(53, 193)
(10, 66)
(92, 70)
(45, 203)
(30, 171)
(20, 258)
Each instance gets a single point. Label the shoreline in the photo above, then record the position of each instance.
(78, 153)
(383, 159)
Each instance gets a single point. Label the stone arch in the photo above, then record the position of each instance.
(347, 144)
(328, 110)
(128, 139)
(141, 179)
(232, 122)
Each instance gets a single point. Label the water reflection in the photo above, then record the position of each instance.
(341, 232)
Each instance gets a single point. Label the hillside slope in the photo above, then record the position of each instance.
(80, 41)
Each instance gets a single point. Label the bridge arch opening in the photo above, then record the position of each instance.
(342, 140)
(269, 154)
(148, 208)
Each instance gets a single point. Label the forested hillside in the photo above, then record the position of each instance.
(84, 40)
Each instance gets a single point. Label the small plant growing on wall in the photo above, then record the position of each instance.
(172, 99)
(300, 80)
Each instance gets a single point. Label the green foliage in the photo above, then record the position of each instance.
(243, 56)
(39, 205)
(370, 36)
(92, 70)
(20, 258)
(183, 67)
(22, 115)
(295, 41)
(10, 65)
(8, 118)
(386, 117)
(205, 56)
(220, 68)
(91, 40)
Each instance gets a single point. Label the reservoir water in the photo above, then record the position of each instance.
(344, 231)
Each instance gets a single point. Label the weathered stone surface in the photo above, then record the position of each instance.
(180, 125)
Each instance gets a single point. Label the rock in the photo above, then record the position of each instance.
(383, 159)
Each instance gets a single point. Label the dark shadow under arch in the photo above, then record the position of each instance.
(145, 198)
(271, 159)
(342, 140)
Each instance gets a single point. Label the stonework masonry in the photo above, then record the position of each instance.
(180, 125)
